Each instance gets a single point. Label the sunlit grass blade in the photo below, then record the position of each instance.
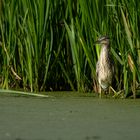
(127, 30)
(23, 93)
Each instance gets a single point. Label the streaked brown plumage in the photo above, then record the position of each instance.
(104, 66)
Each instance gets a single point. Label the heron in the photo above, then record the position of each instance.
(104, 66)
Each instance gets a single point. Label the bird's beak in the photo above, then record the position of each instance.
(96, 42)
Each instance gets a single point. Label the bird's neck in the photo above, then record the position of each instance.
(104, 53)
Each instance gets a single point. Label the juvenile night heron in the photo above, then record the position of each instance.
(104, 66)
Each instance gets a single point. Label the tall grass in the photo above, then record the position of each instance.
(49, 45)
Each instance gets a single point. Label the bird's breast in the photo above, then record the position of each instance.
(105, 73)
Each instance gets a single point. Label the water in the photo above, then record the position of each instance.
(68, 118)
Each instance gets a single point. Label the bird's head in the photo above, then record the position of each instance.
(104, 40)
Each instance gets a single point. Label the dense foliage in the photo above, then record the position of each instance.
(49, 44)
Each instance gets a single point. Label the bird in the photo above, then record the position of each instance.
(104, 66)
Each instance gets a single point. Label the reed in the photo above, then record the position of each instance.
(49, 45)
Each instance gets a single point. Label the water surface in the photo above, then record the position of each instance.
(68, 118)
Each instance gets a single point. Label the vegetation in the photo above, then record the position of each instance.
(49, 45)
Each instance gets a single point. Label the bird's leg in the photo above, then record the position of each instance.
(100, 92)
(110, 90)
